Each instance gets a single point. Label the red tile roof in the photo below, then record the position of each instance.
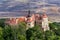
(44, 16)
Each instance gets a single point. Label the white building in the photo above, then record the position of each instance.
(30, 21)
(45, 24)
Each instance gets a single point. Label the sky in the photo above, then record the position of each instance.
(30, 0)
(22, 4)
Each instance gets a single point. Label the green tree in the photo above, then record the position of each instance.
(55, 27)
(1, 34)
(19, 33)
(50, 35)
(2, 22)
(35, 33)
(15, 32)
(7, 33)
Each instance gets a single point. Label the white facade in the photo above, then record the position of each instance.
(30, 23)
(45, 24)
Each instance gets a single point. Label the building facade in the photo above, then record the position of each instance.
(45, 24)
(30, 20)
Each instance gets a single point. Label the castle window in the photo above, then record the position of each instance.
(28, 24)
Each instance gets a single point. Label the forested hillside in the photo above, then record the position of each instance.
(19, 32)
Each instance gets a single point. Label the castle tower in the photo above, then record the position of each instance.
(30, 21)
(45, 24)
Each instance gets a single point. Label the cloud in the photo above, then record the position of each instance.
(25, 1)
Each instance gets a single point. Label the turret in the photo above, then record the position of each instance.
(45, 24)
(30, 21)
(29, 15)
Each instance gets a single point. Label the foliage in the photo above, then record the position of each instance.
(2, 22)
(19, 32)
(16, 32)
(34, 33)
(1, 34)
(7, 33)
(50, 35)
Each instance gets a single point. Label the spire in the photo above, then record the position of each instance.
(28, 13)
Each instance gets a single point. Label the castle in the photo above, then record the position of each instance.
(31, 20)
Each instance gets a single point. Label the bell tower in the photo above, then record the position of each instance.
(30, 21)
(45, 24)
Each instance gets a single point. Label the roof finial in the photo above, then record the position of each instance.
(29, 13)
